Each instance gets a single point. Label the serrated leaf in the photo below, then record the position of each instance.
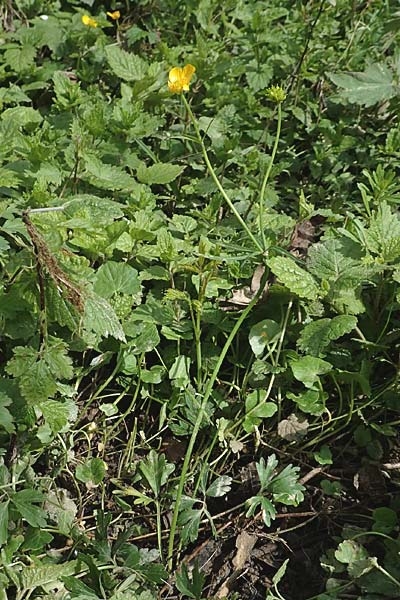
(106, 176)
(296, 279)
(316, 336)
(310, 401)
(113, 277)
(160, 173)
(126, 65)
(22, 115)
(58, 414)
(37, 576)
(6, 418)
(100, 318)
(373, 85)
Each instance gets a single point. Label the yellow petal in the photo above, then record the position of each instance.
(175, 74)
(188, 72)
(114, 15)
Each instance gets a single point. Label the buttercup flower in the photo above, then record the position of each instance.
(179, 79)
(86, 20)
(114, 15)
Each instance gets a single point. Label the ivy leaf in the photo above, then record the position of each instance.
(92, 471)
(262, 334)
(160, 173)
(368, 87)
(125, 65)
(307, 369)
(316, 336)
(296, 279)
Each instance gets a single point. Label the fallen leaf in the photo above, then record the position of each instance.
(292, 428)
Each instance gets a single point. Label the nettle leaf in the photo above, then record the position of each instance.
(113, 277)
(58, 414)
(87, 211)
(383, 235)
(160, 173)
(106, 176)
(33, 577)
(126, 65)
(296, 279)
(38, 372)
(316, 336)
(6, 418)
(262, 334)
(22, 116)
(100, 318)
(308, 368)
(373, 85)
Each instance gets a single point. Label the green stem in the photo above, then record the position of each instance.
(215, 178)
(200, 415)
(159, 528)
(268, 173)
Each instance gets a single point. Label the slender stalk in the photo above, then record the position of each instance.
(201, 413)
(268, 173)
(215, 178)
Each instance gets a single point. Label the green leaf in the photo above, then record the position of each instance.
(58, 414)
(280, 572)
(316, 336)
(310, 401)
(191, 588)
(22, 116)
(160, 173)
(106, 176)
(6, 418)
(296, 279)
(219, 487)
(385, 520)
(189, 520)
(147, 340)
(100, 318)
(262, 334)
(23, 502)
(349, 551)
(3, 522)
(323, 456)
(307, 369)
(373, 85)
(113, 277)
(156, 470)
(125, 65)
(92, 471)
(179, 372)
(38, 372)
(36, 576)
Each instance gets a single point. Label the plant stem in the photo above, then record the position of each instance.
(268, 173)
(201, 413)
(216, 180)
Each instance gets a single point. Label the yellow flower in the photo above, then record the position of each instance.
(179, 79)
(114, 15)
(86, 20)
